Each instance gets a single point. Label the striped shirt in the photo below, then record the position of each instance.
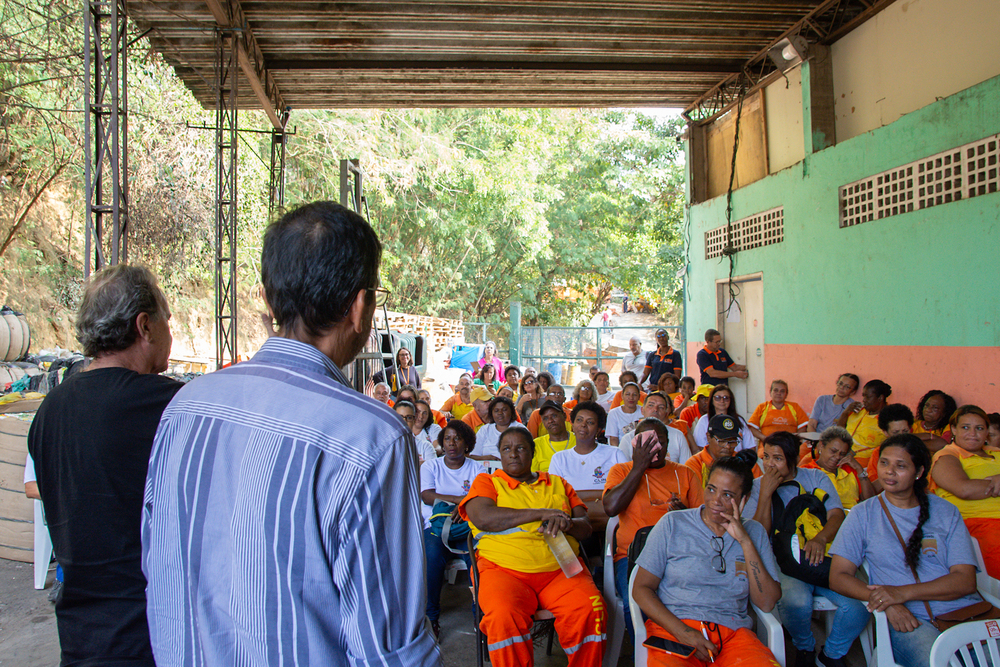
(280, 524)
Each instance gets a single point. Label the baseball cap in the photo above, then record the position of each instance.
(549, 405)
(723, 427)
(703, 390)
(481, 394)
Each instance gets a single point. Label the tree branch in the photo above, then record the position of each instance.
(24, 214)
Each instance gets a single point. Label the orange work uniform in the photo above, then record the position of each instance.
(740, 648)
(702, 462)
(518, 575)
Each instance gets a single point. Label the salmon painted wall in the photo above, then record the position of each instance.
(912, 299)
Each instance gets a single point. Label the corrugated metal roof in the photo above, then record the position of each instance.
(322, 54)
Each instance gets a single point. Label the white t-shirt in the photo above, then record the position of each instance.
(586, 472)
(621, 422)
(425, 450)
(604, 400)
(488, 439)
(747, 441)
(434, 474)
(678, 450)
(429, 436)
(634, 362)
(29, 470)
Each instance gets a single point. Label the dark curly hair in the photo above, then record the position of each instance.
(894, 412)
(590, 406)
(788, 443)
(949, 408)
(921, 457)
(462, 430)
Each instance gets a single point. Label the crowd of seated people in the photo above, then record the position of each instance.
(519, 465)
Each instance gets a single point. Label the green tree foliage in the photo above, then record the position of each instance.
(477, 207)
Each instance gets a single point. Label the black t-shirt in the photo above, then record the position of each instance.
(90, 441)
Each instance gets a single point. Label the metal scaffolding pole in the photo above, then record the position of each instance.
(105, 133)
(226, 141)
(276, 184)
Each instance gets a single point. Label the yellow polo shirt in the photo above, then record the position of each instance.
(976, 467)
(863, 427)
(521, 548)
(546, 449)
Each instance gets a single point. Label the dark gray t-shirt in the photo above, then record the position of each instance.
(867, 537)
(679, 551)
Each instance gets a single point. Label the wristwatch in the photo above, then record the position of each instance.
(863, 474)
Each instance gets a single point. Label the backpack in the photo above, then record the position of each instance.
(794, 525)
(449, 531)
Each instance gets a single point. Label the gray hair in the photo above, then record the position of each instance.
(381, 384)
(836, 433)
(586, 383)
(112, 301)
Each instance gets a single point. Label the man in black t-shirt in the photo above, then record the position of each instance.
(90, 441)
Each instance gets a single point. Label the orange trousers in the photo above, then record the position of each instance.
(509, 598)
(740, 648)
(987, 532)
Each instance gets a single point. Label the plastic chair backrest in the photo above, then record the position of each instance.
(638, 623)
(952, 647)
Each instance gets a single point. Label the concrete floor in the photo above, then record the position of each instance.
(28, 635)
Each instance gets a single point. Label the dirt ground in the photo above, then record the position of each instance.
(27, 621)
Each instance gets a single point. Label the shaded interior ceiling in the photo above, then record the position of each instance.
(320, 54)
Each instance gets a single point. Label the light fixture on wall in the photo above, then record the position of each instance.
(788, 52)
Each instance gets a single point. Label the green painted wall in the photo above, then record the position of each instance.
(929, 277)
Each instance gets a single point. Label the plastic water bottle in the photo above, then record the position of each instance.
(560, 548)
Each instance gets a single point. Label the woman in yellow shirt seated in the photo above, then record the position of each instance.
(861, 420)
(834, 456)
(968, 475)
(934, 413)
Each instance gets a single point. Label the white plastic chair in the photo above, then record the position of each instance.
(988, 587)
(768, 629)
(952, 647)
(43, 547)
(883, 643)
(614, 604)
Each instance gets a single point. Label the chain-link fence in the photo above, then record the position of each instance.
(477, 333)
(569, 352)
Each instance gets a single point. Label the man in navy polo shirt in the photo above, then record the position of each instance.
(664, 359)
(715, 363)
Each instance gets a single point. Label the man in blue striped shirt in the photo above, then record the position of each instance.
(280, 524)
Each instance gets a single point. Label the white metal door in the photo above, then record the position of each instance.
(742, 327)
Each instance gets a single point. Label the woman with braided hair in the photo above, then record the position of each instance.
(937, 550)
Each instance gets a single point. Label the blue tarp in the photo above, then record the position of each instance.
(462, 356)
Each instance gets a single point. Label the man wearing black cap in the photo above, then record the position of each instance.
(723, 440)
(664, 359)
(557, 439)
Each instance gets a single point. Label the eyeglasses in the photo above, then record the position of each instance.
(381, 295)
(722, 397)
(408, 418)
(718, 562)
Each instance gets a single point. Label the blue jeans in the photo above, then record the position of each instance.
(795, 607)
(913, 649)
(621, 583)
(437, 558)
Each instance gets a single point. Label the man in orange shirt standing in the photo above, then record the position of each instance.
(641, 491)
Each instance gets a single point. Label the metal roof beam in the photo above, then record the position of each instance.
(229, 14)
(512, 65)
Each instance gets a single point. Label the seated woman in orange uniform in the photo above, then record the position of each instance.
(968, 475)
(510, 513)
(778, 414)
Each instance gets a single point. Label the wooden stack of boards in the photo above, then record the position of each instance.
(17, 511)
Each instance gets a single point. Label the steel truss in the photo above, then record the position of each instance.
(825, 24)
(105, 55)
(226, 142)
(276, 182)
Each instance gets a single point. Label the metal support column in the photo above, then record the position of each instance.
(352, 197)
(105, 133)
(276, 184)
(226, 141)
